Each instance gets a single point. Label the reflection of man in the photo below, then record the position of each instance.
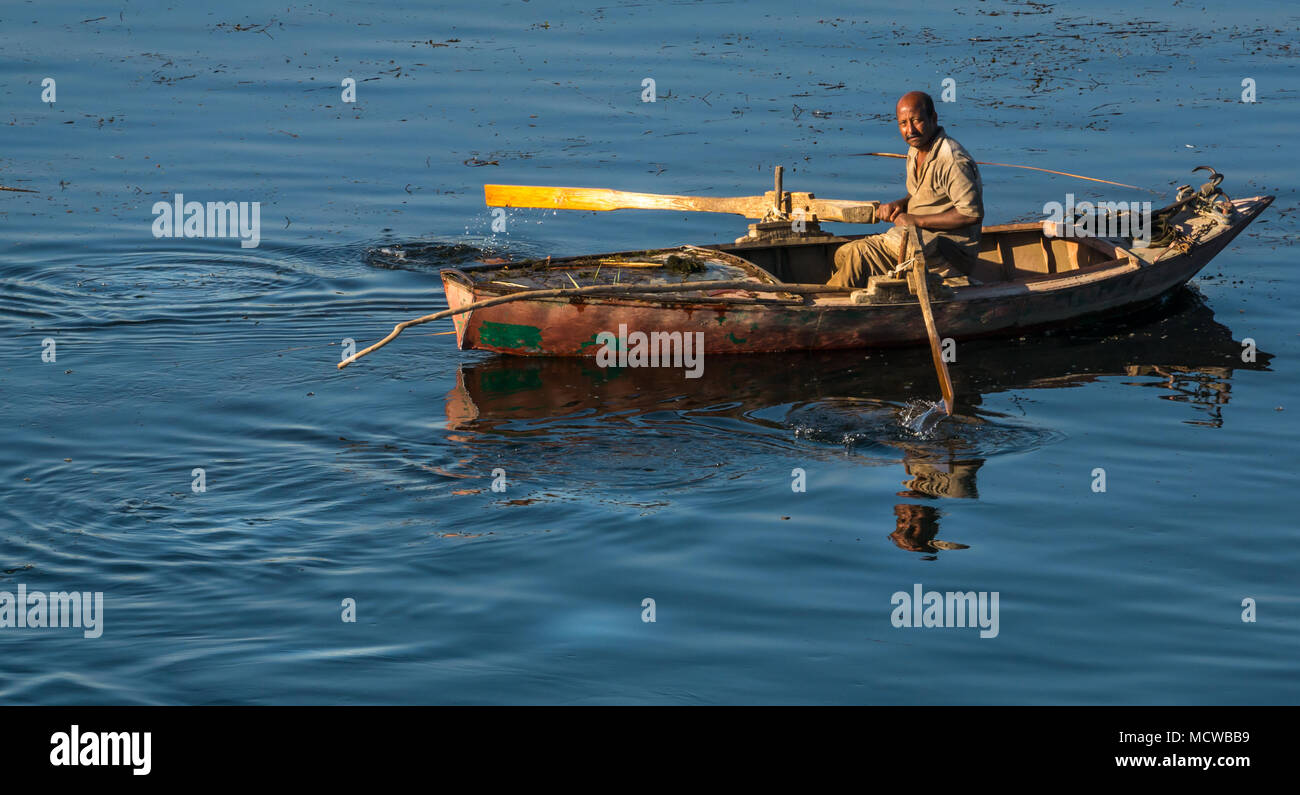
(944, 198)
(931, 478)
(917, 527)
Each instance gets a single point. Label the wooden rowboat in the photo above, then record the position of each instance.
(1027, 278)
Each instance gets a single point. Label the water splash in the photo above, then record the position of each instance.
(878, 427)
(922, 417)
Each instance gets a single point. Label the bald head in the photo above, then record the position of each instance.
(918, 100)
(917, 121)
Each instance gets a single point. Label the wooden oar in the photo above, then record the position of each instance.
(1013, 165)
(923, 295)
(601, 199)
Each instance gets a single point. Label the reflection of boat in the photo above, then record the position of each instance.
(938, 475)
(1181, 342)
(1027, 280)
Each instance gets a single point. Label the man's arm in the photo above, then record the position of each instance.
(949, 219)
(962, 184)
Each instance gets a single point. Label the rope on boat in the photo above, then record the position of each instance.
(899, 269)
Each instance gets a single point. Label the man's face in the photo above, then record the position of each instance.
(916, 127)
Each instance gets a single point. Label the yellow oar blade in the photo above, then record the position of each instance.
(603, 199)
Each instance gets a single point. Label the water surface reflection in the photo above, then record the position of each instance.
(854, 403)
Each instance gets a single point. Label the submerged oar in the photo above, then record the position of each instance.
(923, 295)
(1013, 165)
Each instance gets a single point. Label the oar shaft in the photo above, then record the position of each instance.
(923, 295)
(775, 203)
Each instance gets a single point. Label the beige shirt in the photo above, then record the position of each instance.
(949, 179)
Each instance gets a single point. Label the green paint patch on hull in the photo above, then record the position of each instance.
(510, 335)
(592, 342)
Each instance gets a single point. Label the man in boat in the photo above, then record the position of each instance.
(944, 198)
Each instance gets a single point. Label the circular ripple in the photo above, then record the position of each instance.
(867, 426)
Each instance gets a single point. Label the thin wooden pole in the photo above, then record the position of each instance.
(919, 270)
(1013, 165)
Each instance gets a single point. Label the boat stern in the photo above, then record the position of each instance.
(459, 289)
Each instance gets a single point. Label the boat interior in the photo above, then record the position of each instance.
(1010, 253)
(1013, 253)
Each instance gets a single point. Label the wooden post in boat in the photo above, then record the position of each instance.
(778, 203)
(921, 273)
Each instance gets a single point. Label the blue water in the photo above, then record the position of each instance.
(375, 483)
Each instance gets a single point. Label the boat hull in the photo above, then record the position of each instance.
(569, 326)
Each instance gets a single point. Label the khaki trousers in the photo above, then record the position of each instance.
(877, 255)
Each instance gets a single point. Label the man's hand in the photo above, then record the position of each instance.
(889, 210)
(905, 219)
